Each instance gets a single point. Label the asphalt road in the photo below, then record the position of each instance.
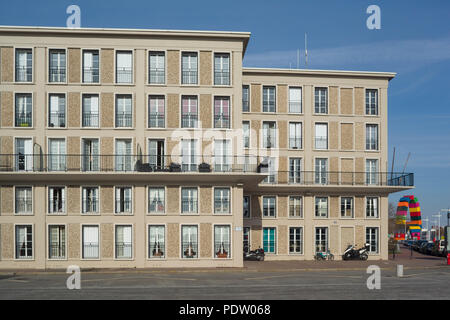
(433, 284)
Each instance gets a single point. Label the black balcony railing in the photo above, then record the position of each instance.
(295, 143)
(189, 206)
(124, 120)
(189, 120)
(90, 119)
(124, 250)
(24, 74)
(189, 77)
(222, 121)
(156, 76)
(157, 249)
(57, 119)
(189, 249)
(124, 75)
(91, 75)
(57, 74)
(156, 120)
(221, 78)
(57, 250)
(90, 250)
(24, 119)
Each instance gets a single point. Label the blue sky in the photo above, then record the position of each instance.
(414, 41)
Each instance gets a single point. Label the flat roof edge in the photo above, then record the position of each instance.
(388, 75)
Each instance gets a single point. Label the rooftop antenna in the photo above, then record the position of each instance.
(306, 50)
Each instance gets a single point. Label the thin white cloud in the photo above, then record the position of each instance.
(402, 55)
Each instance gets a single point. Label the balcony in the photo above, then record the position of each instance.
(57, 119)
(124, 75)
(156, 76)
(124, 120)
(156, 120)
(90, 120)
(57, 74)
(189, 120)
(91, 75)
(24, 119)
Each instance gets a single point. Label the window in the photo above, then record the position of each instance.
(372, 137)
(246, 134)
(24, 110)
(124, 67)
(189, 68)
(321, 171)
(321, 100)
(156, 112)
(24, 65)
(157, 69)
(189, 200)
(295, 170)
(124, 242)
(123, 199)
(295, 100)
(222, 69)
(57, 110)
(346, 207)
(296, 240)
(90, 66)
(56, 242)
(56, 199)
(90, 117)
(90, 155)
(321, 207)
(372, 171)
(24, 154)
(156, 158)
(372, 239)
(245, 98)
(246, 204)
(189, 241)
(372, 102)
(321, 239)
(269, 99)
(222, 247)
(222, 155)
(269, 240)
(222, 112)
(372, 207)
(124, 114)
(57, 155)
(269, 207)
(246, 239)
(123, 155)
(295, 207)
(57, 65)
(295, 135)
(24, 242)
(156, 200)
(269, 134)
(24, 200)
(189, 112)
(221, 200)
(156, 242)
(271, 163)
(188, 155)
(321, 136)
(90, 244)
(90, 200)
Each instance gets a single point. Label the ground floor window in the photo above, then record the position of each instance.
(246, 239)
(222, 248)
(189, 241)
(57, 242)
(295, 240)
(372, 239)
(321, 239)
(24, 242)
(156, 242)
(124, 242)
(269, 240)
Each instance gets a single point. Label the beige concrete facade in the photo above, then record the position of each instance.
(346, 152)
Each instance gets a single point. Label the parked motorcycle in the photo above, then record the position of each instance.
(356, 254)
(257, 255)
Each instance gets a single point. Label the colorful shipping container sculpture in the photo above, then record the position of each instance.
(415, 223)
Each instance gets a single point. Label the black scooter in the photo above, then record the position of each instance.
(356, 254)
(255, 255)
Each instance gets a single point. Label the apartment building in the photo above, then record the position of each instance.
(156, 148)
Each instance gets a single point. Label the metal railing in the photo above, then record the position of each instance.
(57, 119)
(57, 74)
(189, 249)
(124, 75)
(156, 120)
(222, 249)
(124, 250)
(24, 119)
(189, 120)
(90, 205)
(222, 121)
(157, 249)
(295, 143)
(91, 75)
(57, 250)
(295, 106)
(269, 106)
(189, 77)
(221, 78)
(189, 206)
(90, 250)
(24, 74)
(124, 120)
(90, 120)
(156, 76)
(320, 142)
(222, 206)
